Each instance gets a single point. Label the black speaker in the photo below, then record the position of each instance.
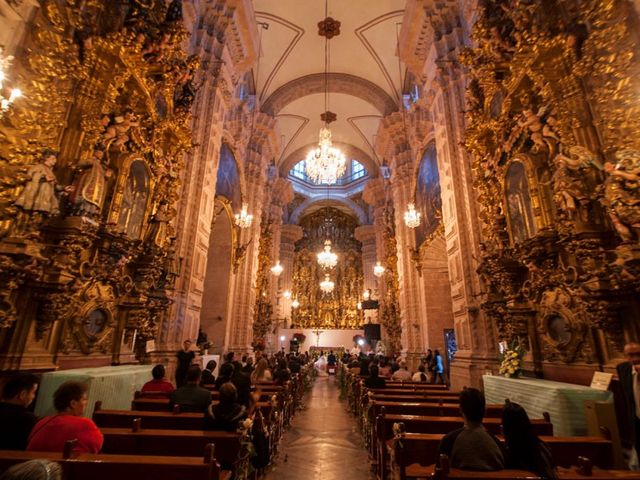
(369, 305)
(372, 331)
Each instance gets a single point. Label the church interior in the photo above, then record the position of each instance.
(444, 187)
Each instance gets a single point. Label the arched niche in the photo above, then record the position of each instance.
(521, 202)
(134, 199)
(428, 195)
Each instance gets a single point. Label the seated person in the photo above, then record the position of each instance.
(523, 449)
(402, 374)
(385, 369)
(226, 372)
(227, 413)
(192, 397)
(420, 375)
(159, 382)
(207, 374)
(242, 382)
(17, 422)
(282, 374)
(374, 380)
(34, 470)
(472, 447)
(51, 433)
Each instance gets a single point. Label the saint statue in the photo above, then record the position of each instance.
(158, 227)
(90, 187)
(41, 191)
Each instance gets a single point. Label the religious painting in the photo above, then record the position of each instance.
(134, 200)
(428, 198)
(228, 180)
(519, 211)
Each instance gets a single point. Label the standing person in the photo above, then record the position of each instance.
(629, 375)
(523, 449)
(331, 359)
(439, 368)
(51, 433)
(17, 422)
(185, 357)
(430, 364)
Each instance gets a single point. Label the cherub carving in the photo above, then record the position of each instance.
(117, 132)
(541, 132)
(621, 194)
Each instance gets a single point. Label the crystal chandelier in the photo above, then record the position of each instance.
(277, 269)
(295, 303)
(243, 219)
(327, 285)
(325, 164)
(6, 102)
(327, 258)
(411, 216)
(287, 294)
(378, 269)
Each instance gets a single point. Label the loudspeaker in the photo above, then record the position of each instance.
(372, 331)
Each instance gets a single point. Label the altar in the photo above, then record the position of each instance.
(563, 401)
(114, 386)
(328, 339)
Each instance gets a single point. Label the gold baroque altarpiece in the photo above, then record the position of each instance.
(89, 164)
(553, 124)
(338, 309)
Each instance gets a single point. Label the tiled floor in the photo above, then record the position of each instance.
(323, 442)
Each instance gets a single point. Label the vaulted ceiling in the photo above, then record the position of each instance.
(365, 78)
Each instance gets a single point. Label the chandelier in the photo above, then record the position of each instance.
(287, 294)
(277, 269)
(378, 269)
(6, 102)
(327, 285)
(411, 216)
(295, 303)
(244, 218)
(327, 258)
(326, 164)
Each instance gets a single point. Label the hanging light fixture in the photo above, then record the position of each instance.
(277, 269)
(367, 293)
(6, 102)
(327, 285)
(295, 303)
(244, 218)
(326, 258)
(378, 269)
(326, 164)
(286, 294)
(411, 216)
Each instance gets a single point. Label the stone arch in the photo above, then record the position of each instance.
(338, 83)
(331, 197)
(351, 151)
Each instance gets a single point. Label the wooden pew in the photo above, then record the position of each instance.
(383, 431)
(164, 404)
(124, 467)
(422, 448)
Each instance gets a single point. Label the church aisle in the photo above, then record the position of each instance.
(323, 442)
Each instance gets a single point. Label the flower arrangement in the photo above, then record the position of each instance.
(244, 427)
(299, 337)
(511, 365)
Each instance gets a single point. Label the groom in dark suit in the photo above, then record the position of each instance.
(629, 375)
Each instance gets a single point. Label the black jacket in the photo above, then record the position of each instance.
(191, 398)
(207, 378)
(627, 421)
(16, 425)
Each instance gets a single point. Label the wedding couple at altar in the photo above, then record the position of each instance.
(321, 365)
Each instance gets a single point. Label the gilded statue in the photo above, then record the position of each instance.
(621, 194)
(119, 131)
(541, 132)
(41, 191)
(90, 185)
(157, 232)
(571, 180)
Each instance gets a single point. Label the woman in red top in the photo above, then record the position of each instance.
(159, 383)
(50, 433)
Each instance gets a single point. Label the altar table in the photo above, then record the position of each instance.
(563, 401)
(114, 386)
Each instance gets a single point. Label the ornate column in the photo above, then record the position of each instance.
(289, 235)
(366, 234)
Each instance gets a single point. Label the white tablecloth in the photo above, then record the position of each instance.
(114, 386)
(563, 401)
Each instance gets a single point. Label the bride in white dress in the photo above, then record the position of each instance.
(321, 366)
